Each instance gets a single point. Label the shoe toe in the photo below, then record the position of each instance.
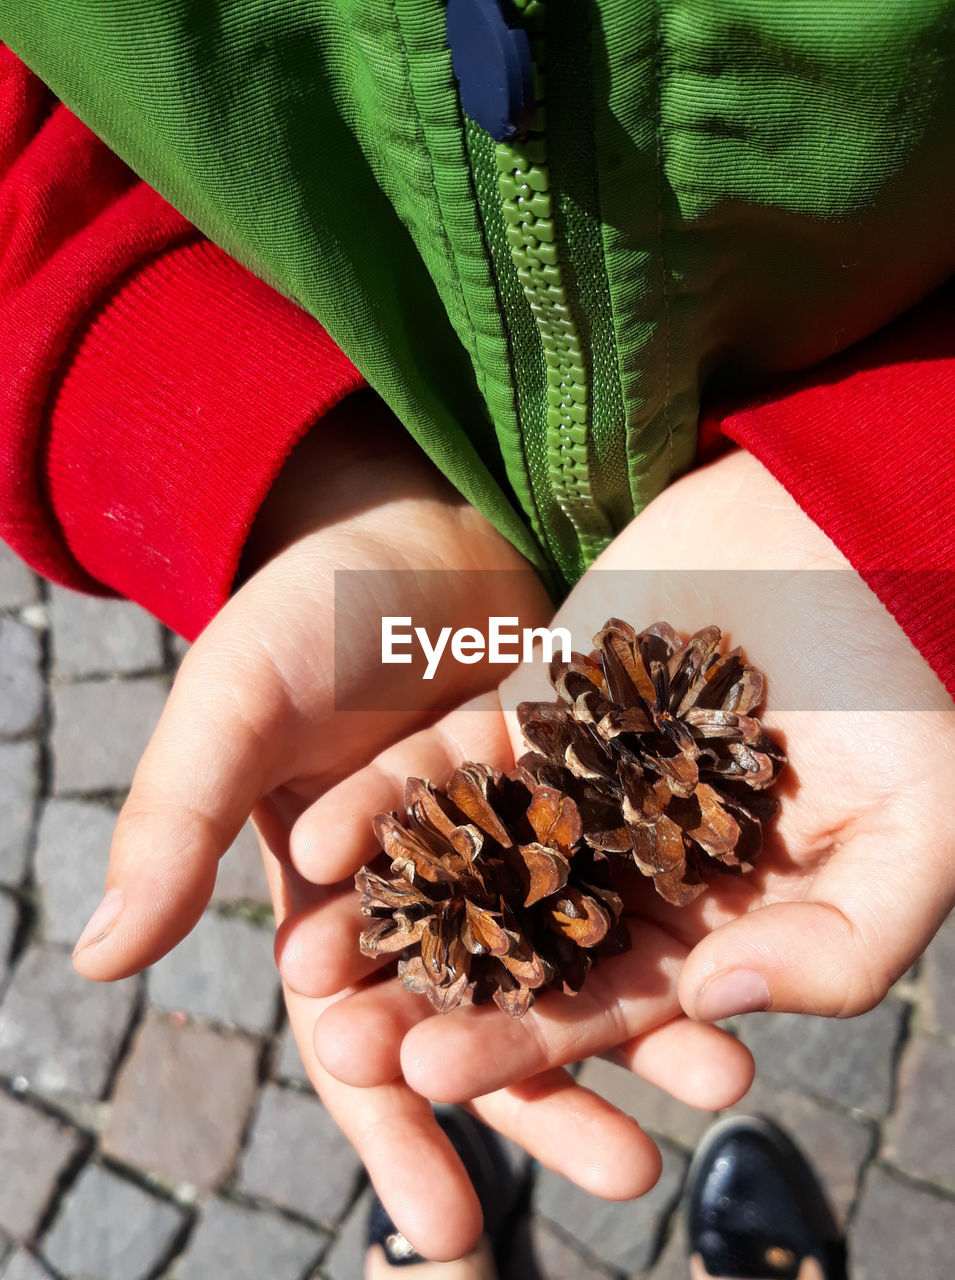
(755, 1209)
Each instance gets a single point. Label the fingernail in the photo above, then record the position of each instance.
(101, 919)
(727, 994)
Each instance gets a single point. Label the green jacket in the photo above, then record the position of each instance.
(710, 192)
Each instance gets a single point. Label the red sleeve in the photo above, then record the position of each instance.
(866, 446)
(150, 387)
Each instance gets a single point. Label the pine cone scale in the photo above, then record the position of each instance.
(424, 809)
(555, 818)
(465, 791)
(547, 872)
(501, 885)
(391, 934)
(487, 935)
(409, 857)
(660, 733)
(530, 970)
(658, 847)
(486, 910)
(581, 919)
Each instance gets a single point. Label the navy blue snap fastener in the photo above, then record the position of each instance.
(492, 62)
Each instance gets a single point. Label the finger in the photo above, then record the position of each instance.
(699, 1065)
(576, 1133)
(473, 1051)
(317, 951)
(358, 1039)
(836, 954)
(398, 1140)
(242, 707)
(333, 837)
(211, 756)
(391, 1128)
(566, 1127)
(403, 1149)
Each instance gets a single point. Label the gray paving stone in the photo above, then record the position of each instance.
(241, 876)
(178, 646)
(622, 1235)
(70, 863)
(541, 1252)
(36, 616)
(847, 1060)
(287, 1061)
(19, 781)
(21, 680)
(9, 922)
(232, 1241)
(58, 1032)
(835, 1144)
(224, 971)
(95, 636)
(651, 1107)
(920, 1136)
(100, 728)
(18, 586)
(901, 1231)
(38, 1149)
(321, 1178)
(672, 1263)
(23, 1266)
(109, 1229)
(181, 1102)
(345, 1259)
(938, 970)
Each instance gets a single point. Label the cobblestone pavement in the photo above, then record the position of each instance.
(162, 1127)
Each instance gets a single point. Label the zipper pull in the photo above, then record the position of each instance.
(493, 66)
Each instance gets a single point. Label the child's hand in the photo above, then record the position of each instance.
(858, 868)
(253, 708)
(252, 714)
(566, 1127)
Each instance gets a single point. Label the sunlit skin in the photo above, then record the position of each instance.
(251, 725)
(857, 871)
(856, 876)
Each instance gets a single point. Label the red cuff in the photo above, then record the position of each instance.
(182, 400)
(867, 449)
(150, 388)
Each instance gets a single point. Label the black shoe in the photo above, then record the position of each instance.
(492, 1176)
(755, 1209)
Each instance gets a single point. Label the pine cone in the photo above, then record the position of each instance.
(491, 895)
(654, 740)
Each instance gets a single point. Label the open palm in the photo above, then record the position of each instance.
(857, 870)
(255, 723)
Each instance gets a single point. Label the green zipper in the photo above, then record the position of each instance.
(548, 333)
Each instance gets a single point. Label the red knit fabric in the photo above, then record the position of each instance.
(150, 387)
(866, 446)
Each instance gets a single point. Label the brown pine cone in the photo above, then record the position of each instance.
(655, 741)
(492, 894)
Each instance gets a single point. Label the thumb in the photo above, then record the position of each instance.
(836, 954)
(208, 762)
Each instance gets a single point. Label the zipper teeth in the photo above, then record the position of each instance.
(528, 208)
